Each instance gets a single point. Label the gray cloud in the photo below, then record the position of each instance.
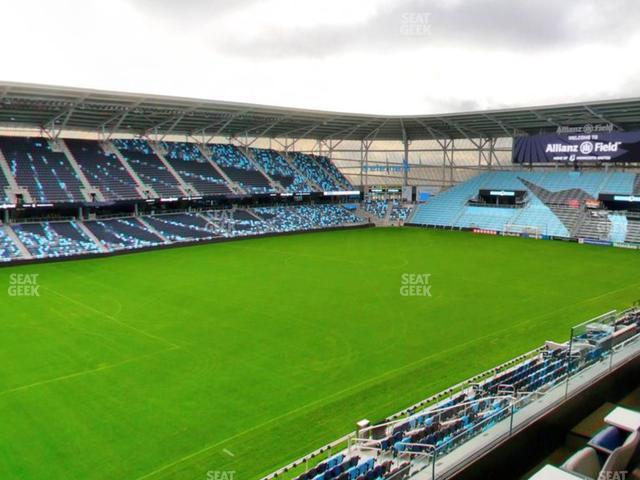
(172, 10)
(498, 24)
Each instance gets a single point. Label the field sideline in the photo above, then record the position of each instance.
(246, 355)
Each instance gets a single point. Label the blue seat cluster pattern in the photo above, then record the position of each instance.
(54, 239)
(8, 249)
(240, 169)
(377, 208)
(330, 167)
(193, 168)
(289, 219)
(123, 234)
(182, 227)
(309, 166)
(548, 196)
(399, 213)
(103, 170)
(279, 169)
(47, 175)
(464, 414)
(149, 167)
(339, 467)
(237, 223)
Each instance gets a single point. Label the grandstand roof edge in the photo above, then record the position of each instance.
(59, 108)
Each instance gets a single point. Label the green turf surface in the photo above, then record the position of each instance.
(246, 355)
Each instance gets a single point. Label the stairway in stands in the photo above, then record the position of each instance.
(89, 191)
(145, 190)
(9, 182)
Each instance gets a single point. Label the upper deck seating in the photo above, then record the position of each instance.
(188, 161)
(279, 169)
(308, 165)
(47, 175)
(149, 167)
(103, 170)
(240, 169)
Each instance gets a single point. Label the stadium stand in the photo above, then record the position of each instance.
(311, 169)
(633, 231)
(399, 213)
(122, 234)
(149, 167)
(240, 169)
(237, 223)
(187, 160)
(340, 467)
(329, 166)
(54, 239)
(279, 169)
(8, 249)
(103, 170)
(377, 208)
(4, 185)
(181, 227)
(554, 205)
(47, 175)
(288, 219)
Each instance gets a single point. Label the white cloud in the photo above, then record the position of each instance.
(333, 55)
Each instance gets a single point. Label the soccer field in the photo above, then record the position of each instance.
(246, 355)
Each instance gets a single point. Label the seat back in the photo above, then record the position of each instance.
(619, 459)
(584, 462)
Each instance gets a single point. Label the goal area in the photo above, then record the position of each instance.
(531, 231)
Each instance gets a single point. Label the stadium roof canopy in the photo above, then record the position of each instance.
(59, 108)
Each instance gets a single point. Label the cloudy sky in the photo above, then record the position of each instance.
(370, 56)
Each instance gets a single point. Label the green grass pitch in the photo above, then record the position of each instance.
(246, 355)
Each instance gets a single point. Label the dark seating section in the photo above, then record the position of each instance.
(4, 183)
(103, 170)
(308, 165)
(399, 212)
(54, 239)
(123, 234)
(240, 169)
(188, 161)
(471, 411)
(149, 167)
(340, 467)
(8, 249)
(237, 223)
(377, 208)
(307, 217)
(182, 227)
(279, 169)
(67, 238)
(330, 167)
(47, 175)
